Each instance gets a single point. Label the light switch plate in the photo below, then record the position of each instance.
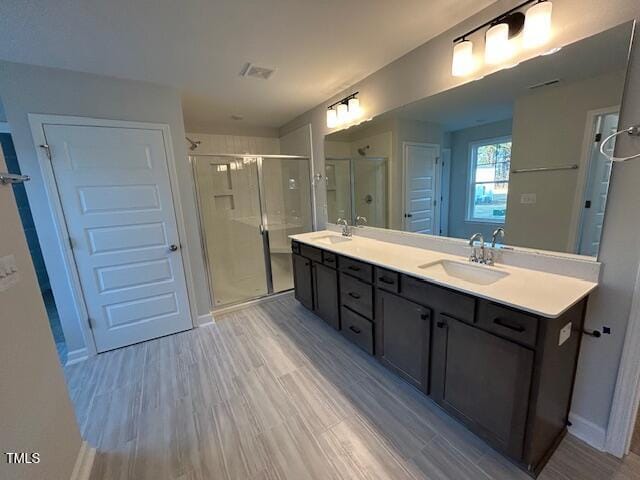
(528, 198)
(565, 334)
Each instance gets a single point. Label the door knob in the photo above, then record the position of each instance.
(173, 248)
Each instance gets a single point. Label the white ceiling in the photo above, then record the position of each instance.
(318, 47)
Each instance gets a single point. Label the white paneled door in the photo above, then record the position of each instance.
(115, 192)
(420, 188)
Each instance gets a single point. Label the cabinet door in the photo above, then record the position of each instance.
(302, 280)
(484, 380)
(325, 281)
(404, 338)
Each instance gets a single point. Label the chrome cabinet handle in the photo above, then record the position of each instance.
(173, 248)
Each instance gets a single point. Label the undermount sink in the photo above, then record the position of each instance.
(478, 274)
(332, 239)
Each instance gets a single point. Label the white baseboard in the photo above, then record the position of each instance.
(77, 356)
(206, 319)
(587, 431)
(84, 462)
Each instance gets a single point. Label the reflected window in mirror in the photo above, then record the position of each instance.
(489, 180)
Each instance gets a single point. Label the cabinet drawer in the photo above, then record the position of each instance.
(295, 247)
(458, 305)
(358, 269)
(356, 295)
(357, 329)
(387, 279)
(508, 323)
(310, 252)
(329, 259)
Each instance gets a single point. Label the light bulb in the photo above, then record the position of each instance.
(332, 118)
(462, 59)
(354, 108)
(343, 113)
(537, 25)
(497, 45)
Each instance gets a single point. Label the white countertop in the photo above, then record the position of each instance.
(545, 294)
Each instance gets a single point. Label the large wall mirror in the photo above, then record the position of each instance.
(517, 149)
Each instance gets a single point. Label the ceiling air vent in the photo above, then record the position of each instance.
(544, 84)
(251, 70)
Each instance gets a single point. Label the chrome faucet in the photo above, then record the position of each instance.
(361, 221)
(474, 252)
(490, 256)
(496, 232)
(346, 229)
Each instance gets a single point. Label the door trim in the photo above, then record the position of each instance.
(626, 396)
(36, 123)
(436, 188)
(583, 175)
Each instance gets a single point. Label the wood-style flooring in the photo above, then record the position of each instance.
(271, 392)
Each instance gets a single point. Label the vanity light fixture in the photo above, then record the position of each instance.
(503, 37)
(344, 111)
(497, 47)
(537, 25)
(463, 63)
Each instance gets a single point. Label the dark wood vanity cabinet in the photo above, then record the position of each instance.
(315, 281)
(484, 380)
(506, 374)
(303, 280)
(325, 281)
(403, 338)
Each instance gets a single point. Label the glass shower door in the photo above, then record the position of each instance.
(231, 219)
(248, 206)
(286, 207)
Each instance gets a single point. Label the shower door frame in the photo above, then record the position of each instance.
(352, 184)
(264, 220)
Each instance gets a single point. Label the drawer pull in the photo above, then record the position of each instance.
(502, 323)
(353, 268)
(329, 260)
(441, 324)
(354, 329)
(386, 280)
(354, 295)
(424, 316)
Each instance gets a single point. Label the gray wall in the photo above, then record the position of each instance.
(460, 139)
(619, 253)
(31, 89)
(426, 71)
(36, 414)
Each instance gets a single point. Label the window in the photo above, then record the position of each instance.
(489, 180)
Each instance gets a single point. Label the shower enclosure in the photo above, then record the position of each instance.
(248, 206)
(357, 186)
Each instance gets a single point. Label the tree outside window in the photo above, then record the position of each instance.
(489, 180)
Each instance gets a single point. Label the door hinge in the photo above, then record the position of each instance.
(598, 137)
(70, 241)
(437, 160)
(92, 325)
(47, 149)
(435, 202)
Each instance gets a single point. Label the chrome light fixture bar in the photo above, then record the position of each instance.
(343, 111)
(499, 44)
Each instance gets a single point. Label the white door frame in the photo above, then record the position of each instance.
(626, 396)
(37, 122)
(583, 175)
(436, 192)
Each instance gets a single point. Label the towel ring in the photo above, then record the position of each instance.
(633, 130)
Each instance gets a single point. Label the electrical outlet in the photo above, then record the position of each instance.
(528, 198)
(565, 334)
